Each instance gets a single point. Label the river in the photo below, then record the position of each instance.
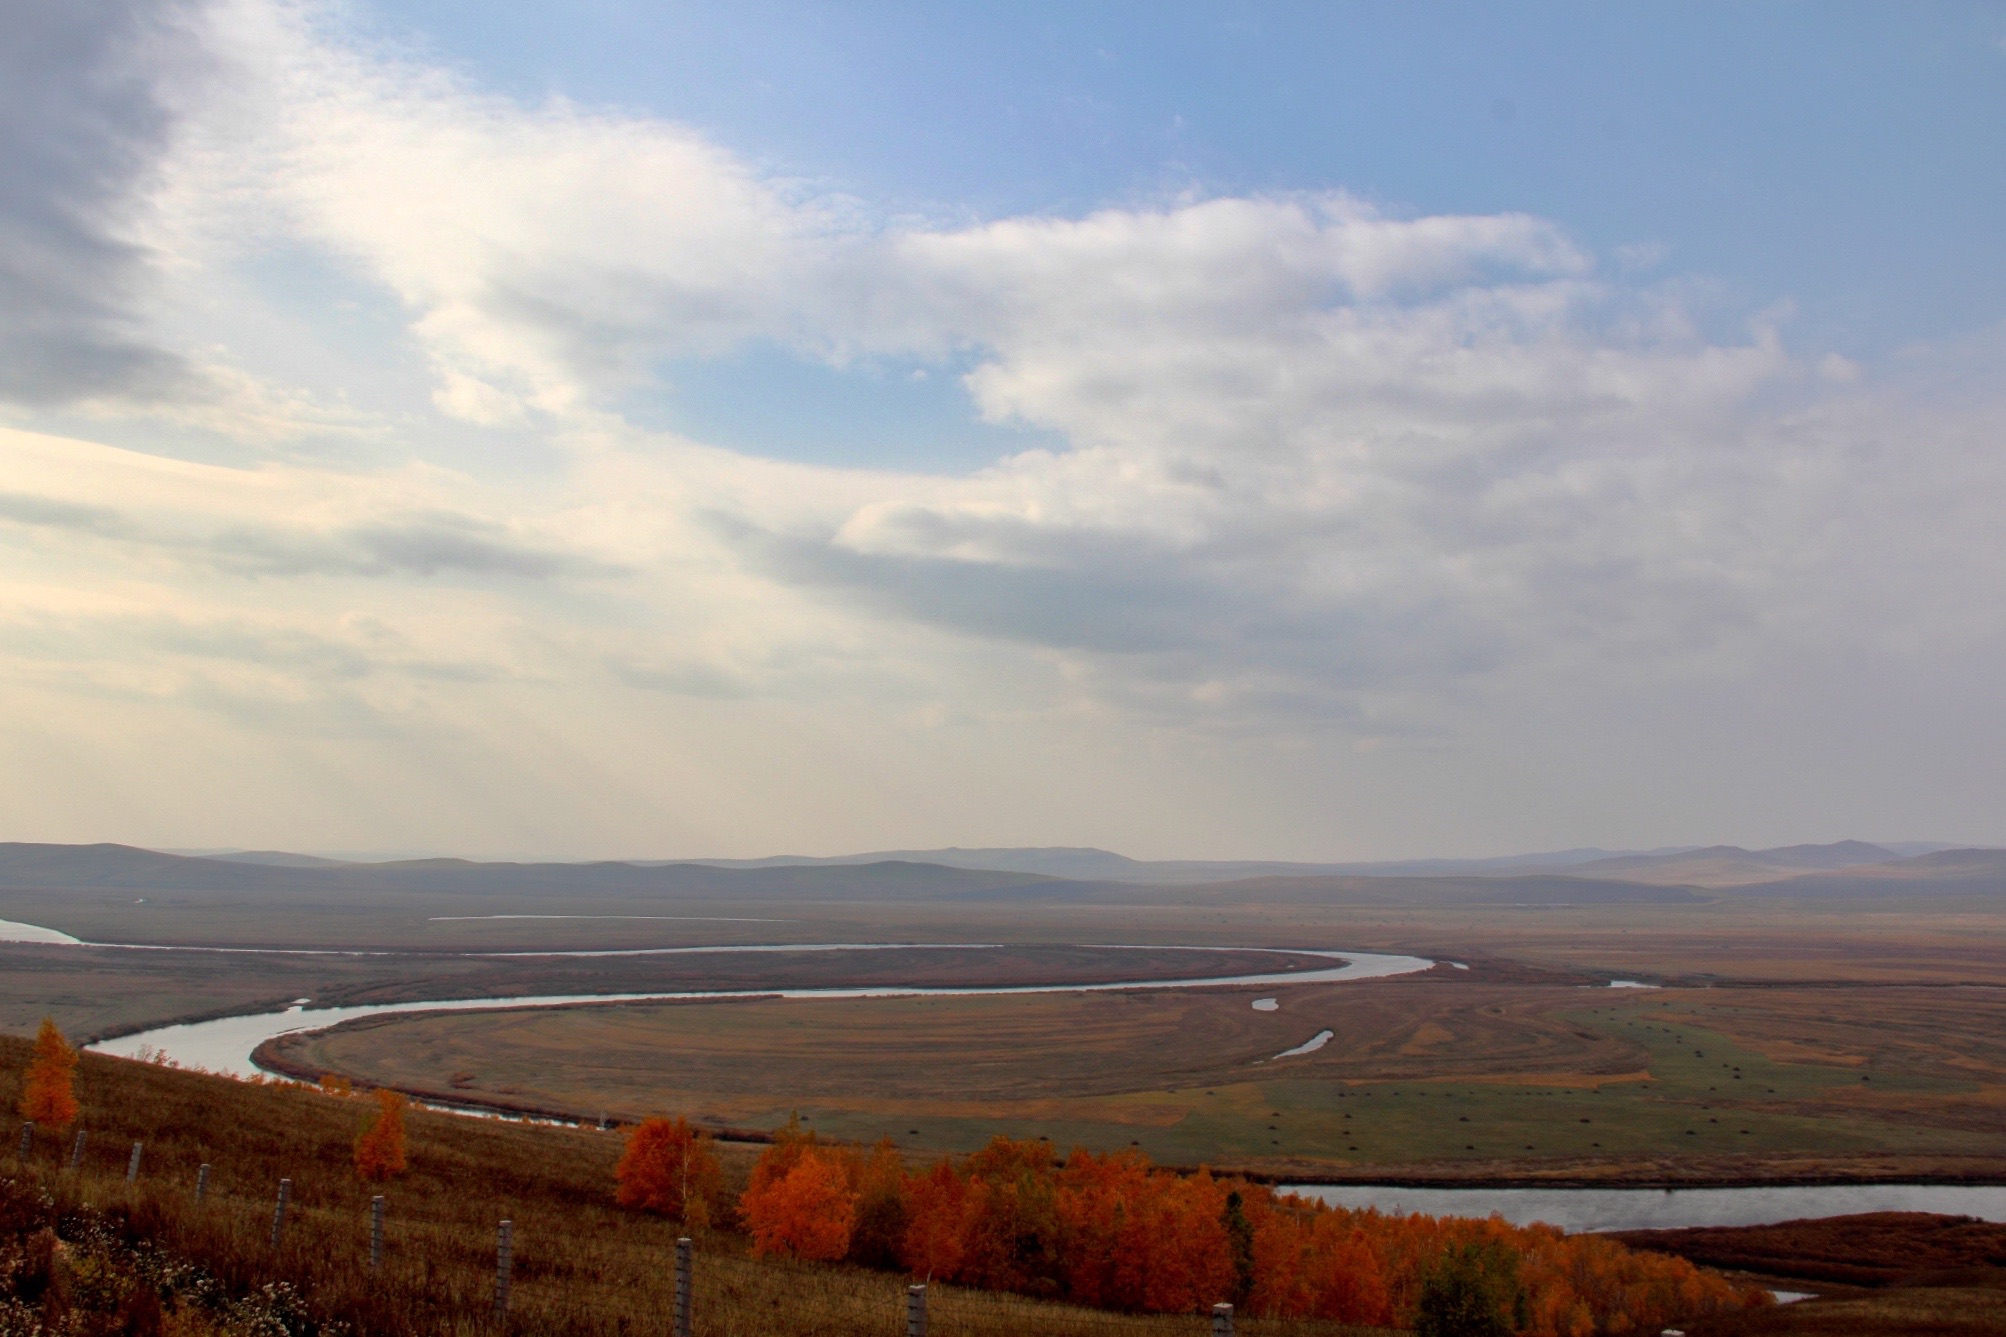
(1668, 1209)
(225, 1044)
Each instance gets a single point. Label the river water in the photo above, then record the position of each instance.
(225, 1044)
(1666, 1209)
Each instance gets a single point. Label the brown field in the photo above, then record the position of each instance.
(1794, 1039)
(1448, 1075)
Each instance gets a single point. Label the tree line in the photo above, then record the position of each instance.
(1116, 1232)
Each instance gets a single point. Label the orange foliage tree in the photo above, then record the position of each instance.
(672, 1169)
(801, 1200)
(808, 1212)
(48, 1095)
(1116, 1232)
(934, 1206)
(877, 1238)
(379, 1152)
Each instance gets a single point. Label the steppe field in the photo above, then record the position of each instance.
(1804, 1034)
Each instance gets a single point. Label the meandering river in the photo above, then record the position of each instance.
(225, 1044)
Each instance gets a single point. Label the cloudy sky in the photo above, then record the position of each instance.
(622, 428)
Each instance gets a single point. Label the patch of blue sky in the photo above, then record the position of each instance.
(768, 401)
(1844, 156)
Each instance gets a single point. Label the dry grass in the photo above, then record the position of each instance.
(1937, 1311)
(582, 1268)
(1461, 1074)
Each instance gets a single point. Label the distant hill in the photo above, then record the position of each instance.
(1731, 865)
(122, 867)
(1089, 864)
(1849, 870)
(1954, 872)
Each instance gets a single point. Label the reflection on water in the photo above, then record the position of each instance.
(1668, 1209)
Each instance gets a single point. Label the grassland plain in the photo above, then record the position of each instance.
(1448, 1076)
(1867, 1034)
(582, 1267)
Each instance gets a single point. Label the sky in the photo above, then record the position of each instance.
(1324, 431)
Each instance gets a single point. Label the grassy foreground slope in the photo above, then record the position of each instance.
(582, 1266)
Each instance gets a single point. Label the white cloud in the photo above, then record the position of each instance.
(1326, 470)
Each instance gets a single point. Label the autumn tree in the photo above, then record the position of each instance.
(48, 1095)
(671, 1168)
(1473, 1290)
(934, 1204)
(1346, 1276)
(1240, 1244)
(880, 1184)
(379, 1152)
(1010, 1233)
(807, 1210)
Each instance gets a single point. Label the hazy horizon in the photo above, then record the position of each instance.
(1904, 848)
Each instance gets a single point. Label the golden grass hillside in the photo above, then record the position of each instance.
(582, 1266)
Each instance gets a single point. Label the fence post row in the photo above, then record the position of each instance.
(915, 1296)
(683, 1298)
(279, 1215)
(504, 1247)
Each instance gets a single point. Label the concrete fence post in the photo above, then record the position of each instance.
(132, 1164)
(77, 1150)
(279, 1214)
(685, 1306)
(202, 1181)
(1222, 1320)
(27, 1141)
(504, 1257)
(376, 1232)
(915, 1311)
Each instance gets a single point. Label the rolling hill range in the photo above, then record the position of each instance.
(118, 893)
(1843, 868)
